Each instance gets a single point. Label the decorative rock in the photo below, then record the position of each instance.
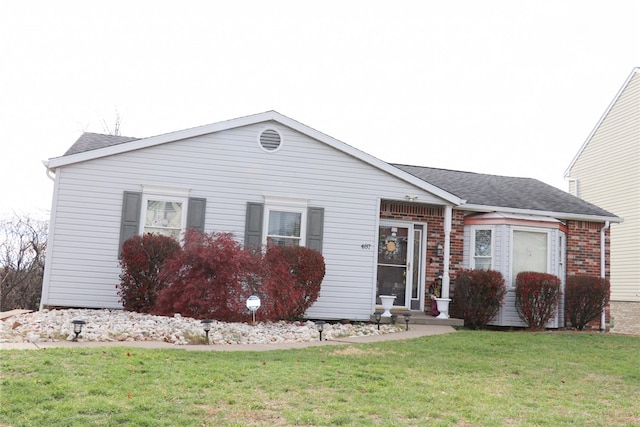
(119, 325)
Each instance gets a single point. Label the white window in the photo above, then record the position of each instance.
(530, 253)
(164, 211)
(285, 222)
(482, 247)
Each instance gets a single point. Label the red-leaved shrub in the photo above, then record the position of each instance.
(206, 278)
(537, 298)
(141, 263)
(585, 298)
(291, 279)
(212, 277)
(479, 294)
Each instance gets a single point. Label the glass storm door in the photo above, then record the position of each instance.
(399, 264)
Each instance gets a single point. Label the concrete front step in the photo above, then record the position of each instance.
(419, 318)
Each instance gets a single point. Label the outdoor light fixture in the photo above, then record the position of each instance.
(440, 249)
(320, 326)
(378, 316)
(206, 324)
(77, 327)
(407, 317)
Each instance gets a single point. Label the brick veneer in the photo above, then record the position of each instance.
(583, 243)
(583, 254)
(434, 217)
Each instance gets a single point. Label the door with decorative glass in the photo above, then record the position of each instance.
(400, 266)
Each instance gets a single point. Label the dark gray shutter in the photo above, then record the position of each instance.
(130, 220)
(195, 213)
(253, 226)
(315, 227)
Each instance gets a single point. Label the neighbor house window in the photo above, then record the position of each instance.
(482, 249)
(530, 253)
(285, 222)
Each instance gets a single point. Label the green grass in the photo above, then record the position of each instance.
(469, 378)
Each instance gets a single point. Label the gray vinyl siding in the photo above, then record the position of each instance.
(608, 174)
(228, 169)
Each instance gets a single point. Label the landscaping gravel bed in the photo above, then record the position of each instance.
(119, 325)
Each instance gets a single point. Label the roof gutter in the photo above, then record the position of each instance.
(558, 215)
(49, 171)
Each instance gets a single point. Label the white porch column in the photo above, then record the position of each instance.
(443, 302)
(447, 251)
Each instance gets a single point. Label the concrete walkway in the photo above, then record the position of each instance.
(415, 331)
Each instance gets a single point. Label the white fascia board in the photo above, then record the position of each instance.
(567, 172)
(161, 139)
(367, 158)
(558, 215)
(54, 163)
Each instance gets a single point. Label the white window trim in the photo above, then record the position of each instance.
(472, 248)
(164, 194)
(285, 204)
(512, 278)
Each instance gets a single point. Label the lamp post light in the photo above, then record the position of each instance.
(77, 328)
(320, 326)
(378, 316)
(407, 317)
(206, 324)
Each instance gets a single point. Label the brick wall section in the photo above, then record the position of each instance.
(583, 253)
(434, 217)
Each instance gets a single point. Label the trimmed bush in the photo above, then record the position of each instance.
(212, 277)
(586, 297)
(141, 263)
(207, 279)
(479, 294)
(537, 298)
(291, 281)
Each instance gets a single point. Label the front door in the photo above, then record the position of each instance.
(400, 267)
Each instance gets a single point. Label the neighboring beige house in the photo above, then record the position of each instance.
(606, 172)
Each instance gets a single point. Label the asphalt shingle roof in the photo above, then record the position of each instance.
(504, 191)
(92, 141)
(475, 188)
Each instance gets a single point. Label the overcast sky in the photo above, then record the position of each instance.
(500, 87)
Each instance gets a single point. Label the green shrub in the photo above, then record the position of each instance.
(537, 298)
(479, 295)
(586, 297)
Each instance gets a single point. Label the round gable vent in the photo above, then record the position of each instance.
(270, 139)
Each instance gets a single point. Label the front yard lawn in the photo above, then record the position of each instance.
(468, 378)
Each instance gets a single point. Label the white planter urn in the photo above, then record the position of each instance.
(443, 307)
(387, 304)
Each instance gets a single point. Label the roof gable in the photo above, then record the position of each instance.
(466, 189)
(93, 146)
(635, 74)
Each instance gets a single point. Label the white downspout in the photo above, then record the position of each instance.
(603, 271)
(50, 238)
